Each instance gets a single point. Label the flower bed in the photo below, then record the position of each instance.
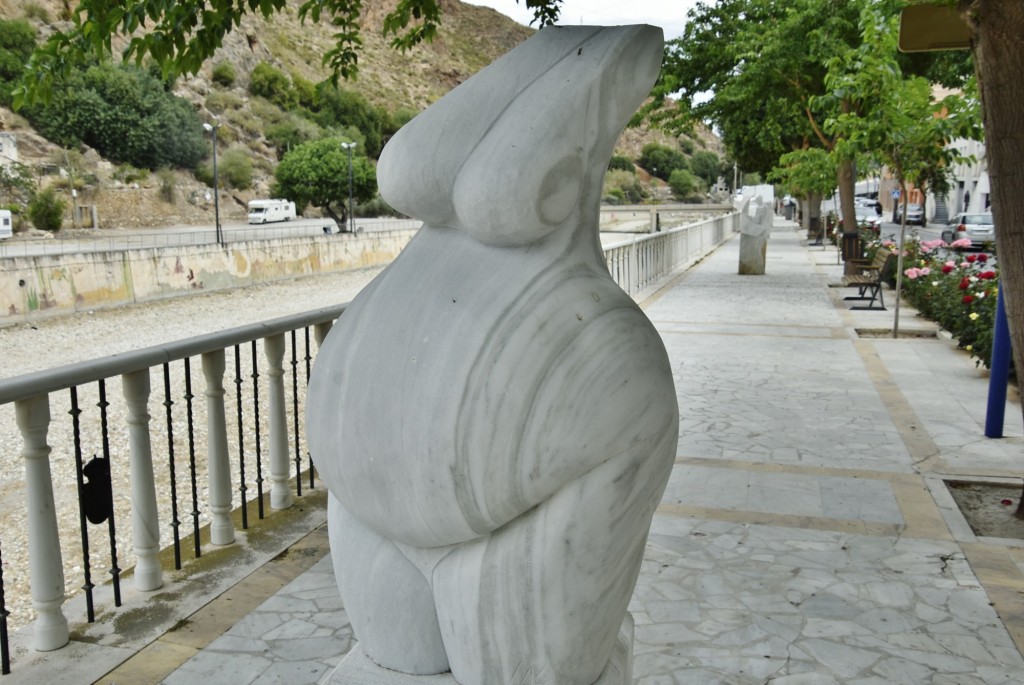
(956, 291)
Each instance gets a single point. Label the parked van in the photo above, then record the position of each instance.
(6, 224)
(267, 211)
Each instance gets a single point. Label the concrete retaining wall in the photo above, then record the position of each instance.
(34, 287)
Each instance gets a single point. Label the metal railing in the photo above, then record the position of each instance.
(641, 263)
(206, 455)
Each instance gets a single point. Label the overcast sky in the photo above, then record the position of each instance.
(670, 15)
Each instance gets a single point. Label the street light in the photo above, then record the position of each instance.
(351, 219)
(212, 129)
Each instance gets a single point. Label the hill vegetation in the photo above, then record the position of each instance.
(132, 146)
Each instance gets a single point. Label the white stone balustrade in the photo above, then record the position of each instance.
(145, 519)
(46, 569)
(280, 492)
(222, 528)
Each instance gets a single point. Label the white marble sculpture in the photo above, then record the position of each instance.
(495, 419)
(755, 228)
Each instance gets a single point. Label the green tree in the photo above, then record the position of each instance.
(17, 42)
(706, 165)
(316, 173)
(339, 108)
(126, 115)
(899, 125)
(661, 160)
(686, 186)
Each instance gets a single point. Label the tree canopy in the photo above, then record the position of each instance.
(316, 173)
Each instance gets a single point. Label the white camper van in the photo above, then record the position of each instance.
(267, 211)
(6, 224)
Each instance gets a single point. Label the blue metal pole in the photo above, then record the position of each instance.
(999, 372)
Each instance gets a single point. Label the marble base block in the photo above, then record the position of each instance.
(357, 668)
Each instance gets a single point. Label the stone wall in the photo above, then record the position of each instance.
(34, 287)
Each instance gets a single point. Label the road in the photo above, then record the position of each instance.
(115, 239)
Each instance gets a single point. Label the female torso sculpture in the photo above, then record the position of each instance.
(494, 417)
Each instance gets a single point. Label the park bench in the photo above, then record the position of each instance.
(869, 281)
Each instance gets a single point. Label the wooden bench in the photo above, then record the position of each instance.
(869, 281)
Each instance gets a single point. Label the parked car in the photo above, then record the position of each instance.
(869, 218)
(979, 228)
(915, 214)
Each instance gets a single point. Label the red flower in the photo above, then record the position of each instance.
(968, 299)
(982, 258)
(965, 283)
(946, 268)
(972, 258)
(987, 275)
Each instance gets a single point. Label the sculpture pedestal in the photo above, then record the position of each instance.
(357, 669)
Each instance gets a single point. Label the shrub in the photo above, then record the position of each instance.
(958, 292)
(168, 185)
(220, 101)
(623, 186)
(235, 168)
(125, 114)
(706, 166)
(685, 186)
(224, 74)
(268, 82)
(46, 210)
(17, 41)
(660, 160)
(126, 173)
(376, 207)
(34, 10)
(618, 162)
(290, 132)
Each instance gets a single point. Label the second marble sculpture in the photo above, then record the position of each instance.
(495, 419)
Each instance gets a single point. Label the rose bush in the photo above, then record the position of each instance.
(956, 291)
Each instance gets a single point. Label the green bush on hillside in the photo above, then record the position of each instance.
(46, 210)
(17, 41)
(126, 115)
(269, 82)
(660, 160)
(224, 74)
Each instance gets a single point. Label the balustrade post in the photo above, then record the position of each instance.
(280, 493)
(222, 529)
(320, 332)
(46, 567)
(148, 575)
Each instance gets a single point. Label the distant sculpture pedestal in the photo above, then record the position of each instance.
(754, 231)
(356, 667)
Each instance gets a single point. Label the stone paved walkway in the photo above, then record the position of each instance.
(806, 536)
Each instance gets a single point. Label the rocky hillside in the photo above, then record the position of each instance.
(470, 37)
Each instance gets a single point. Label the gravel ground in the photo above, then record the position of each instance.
(63, 340)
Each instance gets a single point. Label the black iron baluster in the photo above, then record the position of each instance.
(168, 403)
(295, 415)
(256, 419)
(241, 438)
(309, 358)
(5, 651)
(115, 570)
(192, 457)
(77, 433)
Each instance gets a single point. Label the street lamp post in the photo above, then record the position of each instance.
(351, 219)
(212, 129)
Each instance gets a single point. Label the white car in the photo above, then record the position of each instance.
(979, 228)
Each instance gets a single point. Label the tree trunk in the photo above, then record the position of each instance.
(846, 177)
(997, 37)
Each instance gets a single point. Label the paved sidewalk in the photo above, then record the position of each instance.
(806, 536)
